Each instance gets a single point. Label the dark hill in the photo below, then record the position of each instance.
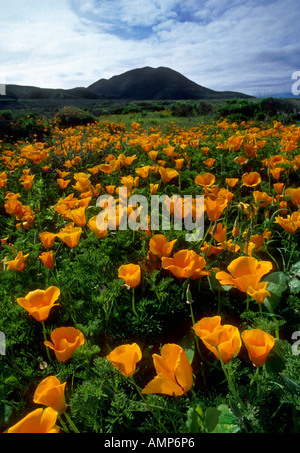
(156, 84)
(31, 92)
(138, 84)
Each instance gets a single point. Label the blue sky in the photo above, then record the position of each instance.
(251, 46)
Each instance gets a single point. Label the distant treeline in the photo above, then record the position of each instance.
(36, 122)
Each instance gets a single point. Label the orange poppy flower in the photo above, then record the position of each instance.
(63, 183)
(244, 272)
(167, 174)
(3, 179)
(110, 217)
(108, 168)
(258, 240)
(230, 246)
(50, 392)
(174, 372)
(153, 155)
(47, 239)
(278, 186)
(258, 344)
(147, 147)
(276, 172)
(169, 150)
(85, 200)
(220, 233)
(291, 223)
(92, 224)
(126, 160)
(47, 259)
(77, 216)
(224, 341)
(231, 182)
(38, 303)
(251, 179)
(94, 170)
(62, 174)
(185, 264)
(70, 201)
(214, 208)
(127, 181)
(70, 235)
(131, 274)
(158, 245)
(65, 340)
(295, 196)
(205, 179)
(153, 188)
(125, 358)
(259, 292)
(14, 207)
(209, 328)
(62, 209)
(179, 163)
(209, 162)
(18, 264)
(27, 181)
(143, 172)
(110, 189)
(82, 182)
(262, 198)
(240, 160)
(234, 142)
(37, 421)
(283, 207)
(209, 249)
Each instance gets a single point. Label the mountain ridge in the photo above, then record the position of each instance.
(145, 83)
(160, 83)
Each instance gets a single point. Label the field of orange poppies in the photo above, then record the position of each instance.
(140, 330)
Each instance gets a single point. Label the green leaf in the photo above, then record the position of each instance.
(292, 386)
(188, 344)
(294, 285)
(227, 422)
(276, 360)
(226, 287)
(5, 413)
(194, 421)
(295, 269)
(277, 284)
(211, 419)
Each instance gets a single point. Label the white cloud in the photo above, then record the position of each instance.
(250, 46)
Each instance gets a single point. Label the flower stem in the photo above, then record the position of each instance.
(291, 254)
(65, 428)
(133, 303)
(232, 389)
(144, 399)
(74, 428)
(45, 339)
(254, 379)
(211, 239)
(195, 336)
(206, 233)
